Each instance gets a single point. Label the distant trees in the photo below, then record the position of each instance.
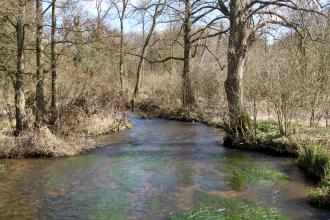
(192, 35)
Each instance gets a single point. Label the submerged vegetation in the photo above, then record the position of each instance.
(257, 176)
(214, 207)
(112, 204)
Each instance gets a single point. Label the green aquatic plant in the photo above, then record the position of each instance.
(183, 173)
(128, 177)
(53, 181)
(249, 174)
(106, 203)
(130, 174)
(165, 150)
(214, 207)
(238, 182)
(154, 204)
(235, 160)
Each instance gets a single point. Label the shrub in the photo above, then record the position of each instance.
(321, 196)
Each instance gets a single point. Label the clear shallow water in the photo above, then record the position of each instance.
(156, 170)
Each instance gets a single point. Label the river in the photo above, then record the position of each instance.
(159, 169)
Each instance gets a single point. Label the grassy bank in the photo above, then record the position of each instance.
(75, 139)
(315, 161)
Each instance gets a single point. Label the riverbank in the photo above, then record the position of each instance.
(311, 147)
(42, 142)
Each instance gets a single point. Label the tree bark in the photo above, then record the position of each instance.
(40, 98)
(237, 54)
(54, 115)
(188, 99)
(121, 56)
(19, 77)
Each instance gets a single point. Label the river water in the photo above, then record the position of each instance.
(159, 169)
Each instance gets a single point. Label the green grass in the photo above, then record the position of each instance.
(214, 207)
(267, 126)
(321, 196)
(5, 123)
(3, 168)
(98, 130)
(315, 160)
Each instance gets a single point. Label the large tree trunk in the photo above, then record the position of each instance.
(188, 99)
(40, 98)
(237, 54)
(19, 81)
(54, 115)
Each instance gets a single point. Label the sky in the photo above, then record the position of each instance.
(131, 24)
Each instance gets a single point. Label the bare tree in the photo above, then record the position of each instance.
(188, 98)
(53, 107)
(19, 82)
(40, 97)
(157, 8)
(121, 7)
(247, 18)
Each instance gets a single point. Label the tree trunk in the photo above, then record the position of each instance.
(40, 98)
(237, 54)
(19, 81)
(121, 55)
(141, 61)
(54, 115)
(188, 99)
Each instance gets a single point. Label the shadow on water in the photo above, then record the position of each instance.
(158, 170)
